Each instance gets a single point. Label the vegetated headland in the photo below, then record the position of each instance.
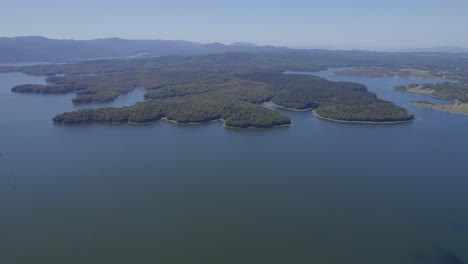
(456, 92)
(229, 87)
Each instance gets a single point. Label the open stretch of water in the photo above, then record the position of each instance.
(316, 192)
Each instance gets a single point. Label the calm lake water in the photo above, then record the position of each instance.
(316, 192)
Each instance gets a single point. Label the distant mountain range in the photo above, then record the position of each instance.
(36, 49)
(446, 49)
(27, 49)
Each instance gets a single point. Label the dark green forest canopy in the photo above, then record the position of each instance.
(229, 87)
(235, 98)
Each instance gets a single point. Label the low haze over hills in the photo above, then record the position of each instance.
(446, 49)
(22, 49)
(27, 49)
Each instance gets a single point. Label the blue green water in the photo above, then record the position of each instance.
(316, 192)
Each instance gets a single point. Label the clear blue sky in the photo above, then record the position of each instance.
(336, 23)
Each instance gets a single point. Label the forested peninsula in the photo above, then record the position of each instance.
(456, 92)
(387, 72)
(197, 89)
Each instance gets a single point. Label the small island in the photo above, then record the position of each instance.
(199, 89)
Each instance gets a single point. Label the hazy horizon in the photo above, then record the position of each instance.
(323, 47)
(336, 24)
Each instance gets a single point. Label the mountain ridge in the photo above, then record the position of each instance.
(38, 48)
(442, 49)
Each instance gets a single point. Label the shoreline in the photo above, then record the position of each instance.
(362, 122)
(176, 123)
(224, 124)
(389, 76)
(192, 123)
(431, 94)
(425, 106)
(388, 73)
(259, 128)
(270, 103)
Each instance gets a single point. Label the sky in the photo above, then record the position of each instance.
(351, 24)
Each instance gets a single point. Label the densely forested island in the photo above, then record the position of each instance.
(236, 98)
(196, 89)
